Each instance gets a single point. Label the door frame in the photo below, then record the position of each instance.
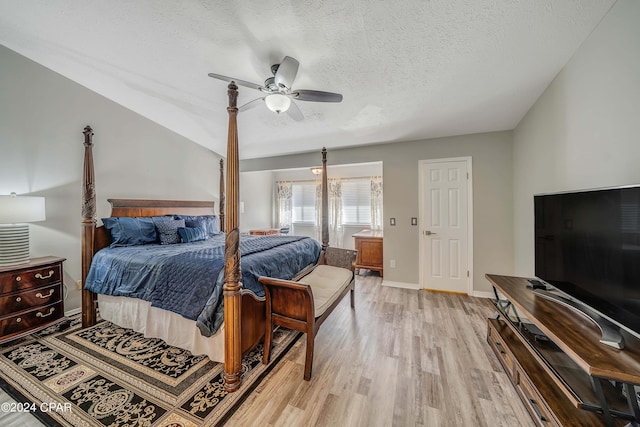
(421, 167)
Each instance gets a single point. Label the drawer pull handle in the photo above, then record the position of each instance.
(499, 347)
(19, 319)
(18, 279)
(51, 310)
(39, 295)
(536, 410)
(40, 276)
(18, 299)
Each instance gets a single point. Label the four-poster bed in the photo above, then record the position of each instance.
(243, 310)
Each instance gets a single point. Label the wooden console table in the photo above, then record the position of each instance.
(554, 358)
(369, 246)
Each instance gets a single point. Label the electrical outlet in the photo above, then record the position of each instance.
(392, 263)
(79, 284)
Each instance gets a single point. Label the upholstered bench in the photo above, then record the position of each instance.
(304, 303)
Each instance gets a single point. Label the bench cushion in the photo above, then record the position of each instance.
(326, 282)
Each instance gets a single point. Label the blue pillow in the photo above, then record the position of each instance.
(192, 234)
(129, 231)
(195, 222)
(214, 224)
(168, 230)
(211, 222)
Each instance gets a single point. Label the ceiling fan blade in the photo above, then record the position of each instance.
(316, 96)
(238, 81)
(295, 113)
(249, 105)
(287, 72)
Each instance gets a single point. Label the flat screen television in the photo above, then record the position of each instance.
(587, 244)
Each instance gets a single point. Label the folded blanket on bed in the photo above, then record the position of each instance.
(187, 278)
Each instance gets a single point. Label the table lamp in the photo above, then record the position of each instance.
(15, 211)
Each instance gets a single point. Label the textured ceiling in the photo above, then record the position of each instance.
(408, 69)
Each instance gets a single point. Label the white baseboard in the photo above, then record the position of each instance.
(483, 294)
(403, 285)
(73, 311)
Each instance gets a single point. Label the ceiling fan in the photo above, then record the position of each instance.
(278, 89)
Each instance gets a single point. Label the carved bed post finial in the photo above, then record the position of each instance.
(88, 227)
(325, 204)
(232, 275)
(221, 208)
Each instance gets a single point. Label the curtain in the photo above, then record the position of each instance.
(335, 212)
(284, 205)
(334, 208)
(318, 210)
(376, 203)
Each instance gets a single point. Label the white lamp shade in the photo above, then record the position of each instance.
(19, 209)
(277, 103)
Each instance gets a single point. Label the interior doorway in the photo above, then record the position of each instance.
(446, 225)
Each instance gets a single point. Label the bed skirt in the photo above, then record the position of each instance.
(155, 322)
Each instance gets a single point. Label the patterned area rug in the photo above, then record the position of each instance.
(110, 376)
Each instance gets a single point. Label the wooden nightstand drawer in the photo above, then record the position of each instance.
(31, 296)
(31, 320)
(31, 278)
(30, 299)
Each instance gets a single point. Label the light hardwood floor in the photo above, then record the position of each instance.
(401, 358)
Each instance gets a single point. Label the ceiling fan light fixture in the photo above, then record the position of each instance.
(277, 103)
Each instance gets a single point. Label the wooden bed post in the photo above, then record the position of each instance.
(88, 228)
(221, 203)
(324, 207)
(232, 275)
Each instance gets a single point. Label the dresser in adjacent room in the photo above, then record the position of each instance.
(264, 232)
(369, 246)
(31, 296)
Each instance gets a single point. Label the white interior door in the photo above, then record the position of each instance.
(444, 226)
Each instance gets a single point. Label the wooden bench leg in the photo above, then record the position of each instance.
(268, 338)
(308, 363)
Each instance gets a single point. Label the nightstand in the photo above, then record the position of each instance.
(369, 246)
(31, 297)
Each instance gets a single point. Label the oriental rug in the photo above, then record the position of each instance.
(111, 376)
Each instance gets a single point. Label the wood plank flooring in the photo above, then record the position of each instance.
(401, 358)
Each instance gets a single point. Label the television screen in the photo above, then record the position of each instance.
(587, 244)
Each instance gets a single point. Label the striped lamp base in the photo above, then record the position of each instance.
(14, 244)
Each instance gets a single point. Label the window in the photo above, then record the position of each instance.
(356, 202)
(303, 200)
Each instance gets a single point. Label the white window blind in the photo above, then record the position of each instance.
(303, 200)
(356, 201)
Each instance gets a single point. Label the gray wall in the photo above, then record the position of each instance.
(493, 196)
(42, 115)
(256, 193)
(584, 130)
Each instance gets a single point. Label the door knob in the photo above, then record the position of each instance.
(428, 233)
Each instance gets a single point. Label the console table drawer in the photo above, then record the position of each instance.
(31, 299)
(534, 403)
(32, 278)
(31, 319)
(500, 348)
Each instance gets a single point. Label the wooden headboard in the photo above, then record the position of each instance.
(141, 207)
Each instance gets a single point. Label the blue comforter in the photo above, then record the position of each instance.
(187, 278)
